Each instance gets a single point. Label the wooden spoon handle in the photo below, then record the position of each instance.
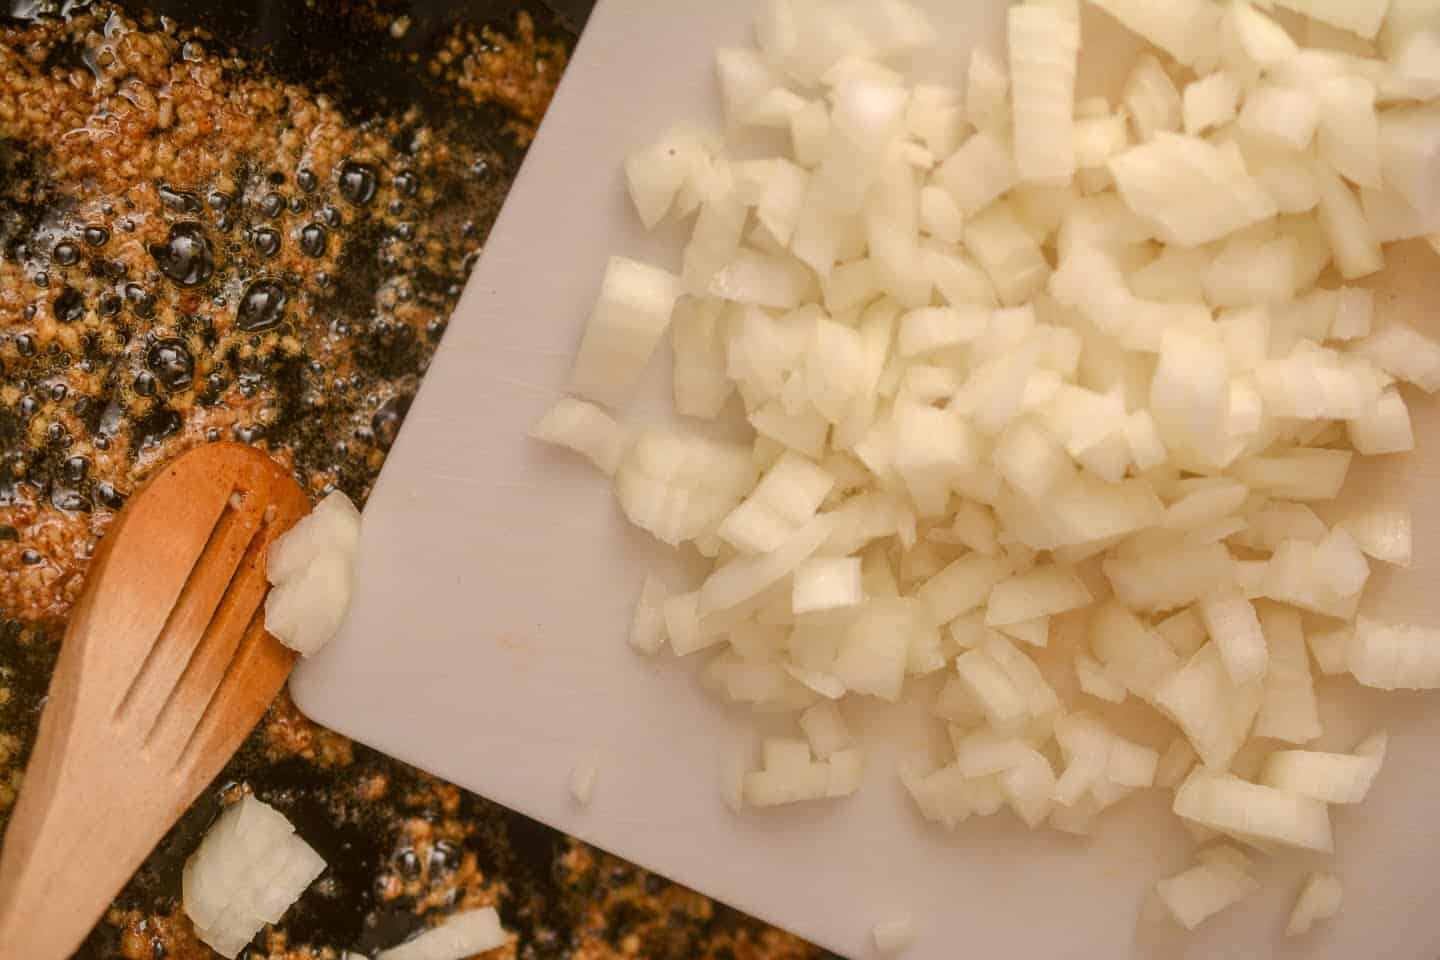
(92, 819)
(164, 669)
(68, 853)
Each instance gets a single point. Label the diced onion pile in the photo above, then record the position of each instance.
(246, 873)
(311, 568)
(1026, 403)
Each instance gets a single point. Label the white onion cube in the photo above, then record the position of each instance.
(1205, 889)
(1319, 900)
(1394, 656)
(249, 868)
(627, 324)
(585, 429)
(1252, 812)
(462, 935)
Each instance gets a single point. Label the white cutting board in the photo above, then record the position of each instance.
(486, 643)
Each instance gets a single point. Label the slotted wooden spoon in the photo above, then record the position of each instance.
(165, 667)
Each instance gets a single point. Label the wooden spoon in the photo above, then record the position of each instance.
(165, 668)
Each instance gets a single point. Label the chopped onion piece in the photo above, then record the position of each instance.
(1409, 153)
(1182, 28)
(1214, 713)
(1354, 313)
(1349, 135)
(1152, 99)
(1385, 429)
(1081, 510)
(895, 935)
(874, 653)
(1038, 593)
(744, 77)
(1254, 813)
(1169, 579)
(978, 173)
(657, 173)
(827, 583)
(697, 338)
(1362, 17)
(809, 133)
(1078, 820)
(1008, 252)
(1035, 631)
(1288, 708)
(1044, 46)
(1205, 505)
(789, 776)
(987, 91)
(846, 772)
(627, 324)
(940, 215)
(1202, 891)
(249, 868)
(1319, 900)
(1190, 189)
(647, 626)
(1210, 102)
(757, 278)
(1298, 474)
(1383, 531)
(786, 498)
(1393, 656)
(1357, 251)
(462, 935)
(1175, 763)
(1328, 647)
(930, 329)
(683, 625)
(1280, 116)
(1264, 42)
(312, 571)
(1096, 681)
(962, 586)
(992, 689)
(1404, 353)
(1031, 459)
(1307, 575)
(332, 527)
(1029, 788)
(1331, 777)
(826, 729)
(1246, 273)
(936, 115)
(982, 753)
(785, 755)
(582, 780)
(1097, 139)
(1391, 217)
(1231, 622)
(1183, 631)
(586, 429)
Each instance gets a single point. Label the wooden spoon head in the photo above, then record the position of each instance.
(165, 668)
